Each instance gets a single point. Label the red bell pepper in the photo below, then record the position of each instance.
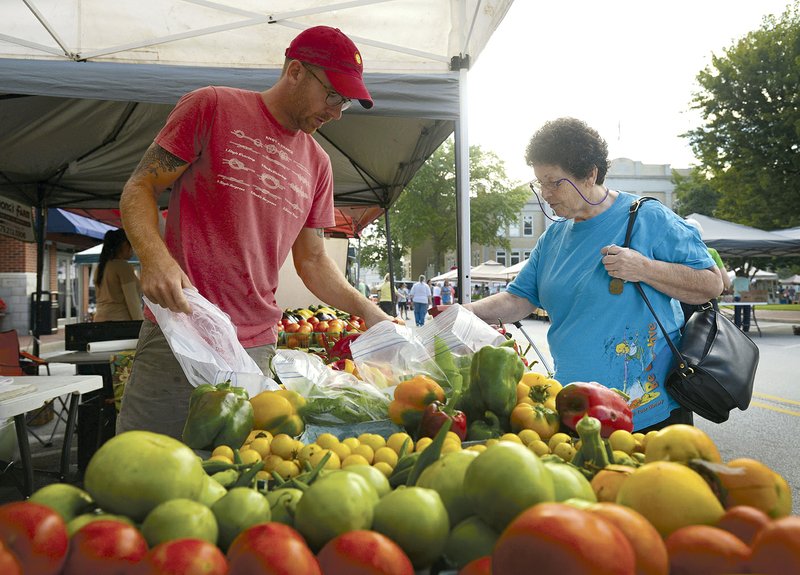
(609, 406)
(436, 414)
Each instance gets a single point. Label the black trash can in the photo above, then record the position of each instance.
(43, 320)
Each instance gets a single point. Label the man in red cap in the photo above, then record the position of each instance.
(249, 185)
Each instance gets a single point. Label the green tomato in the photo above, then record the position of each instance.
(180, 519)
(283, 503)
(65, 499)
(337, 503)
(416, 519)
(137, 470)
(240, 508)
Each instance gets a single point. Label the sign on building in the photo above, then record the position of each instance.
(16, 220)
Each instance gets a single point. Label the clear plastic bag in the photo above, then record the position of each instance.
(332, 397)
(462, 331)
(388, 353)
(205, 344)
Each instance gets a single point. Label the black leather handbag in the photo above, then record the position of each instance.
(716, 364)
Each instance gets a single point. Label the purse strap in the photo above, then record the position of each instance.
(632, 213)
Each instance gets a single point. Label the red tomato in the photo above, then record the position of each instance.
(559, 539)
(105, 548)
(364, 552)
(744, 521)
(8, 561)
(36, 534)
(776, 548)
(648, 546)
(706, 550)
(185, 557)
(271, 549)
(480, 566)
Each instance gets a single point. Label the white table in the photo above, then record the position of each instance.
(752, 304)
(48, 387)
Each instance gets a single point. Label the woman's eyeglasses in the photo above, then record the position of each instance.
(334, 98)
(538, 186)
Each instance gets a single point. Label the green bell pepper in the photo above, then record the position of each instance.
(483, 429)
(218, 415)
(494, 375)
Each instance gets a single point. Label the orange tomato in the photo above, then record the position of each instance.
(776, 548)
(744, 521)
(556, 539)
(648, 546)
(706, 550)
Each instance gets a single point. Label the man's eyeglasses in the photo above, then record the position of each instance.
(334, 98)
(538, 186)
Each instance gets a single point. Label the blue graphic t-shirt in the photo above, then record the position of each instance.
(597, 336)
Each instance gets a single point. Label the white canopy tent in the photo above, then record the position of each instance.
(86, 84)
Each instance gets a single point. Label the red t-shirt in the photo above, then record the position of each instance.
(234, 214)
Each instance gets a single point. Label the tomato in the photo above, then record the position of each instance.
(185, 557)
(706, 550)
(8, 561)
(104, 548)
(36, 534)
(542, 420)
(481, 566)
(271, 549)
(744, 521)
(559, 539)
(776, 548)
(364, 553)
(648, 546)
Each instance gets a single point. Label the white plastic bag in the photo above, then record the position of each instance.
(205, 344)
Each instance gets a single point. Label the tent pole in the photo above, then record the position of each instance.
(463, 240)
(41, 227)
(389, 252)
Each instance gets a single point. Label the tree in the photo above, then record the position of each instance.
(426, 210)
(373, 249)
(749, 142)
(694, 194)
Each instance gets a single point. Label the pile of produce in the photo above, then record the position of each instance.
(490, 468)
(316, 326)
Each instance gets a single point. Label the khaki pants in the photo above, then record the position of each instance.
(156, 396)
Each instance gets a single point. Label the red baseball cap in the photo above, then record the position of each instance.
(329, 49)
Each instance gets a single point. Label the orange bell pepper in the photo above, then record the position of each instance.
(411, 397)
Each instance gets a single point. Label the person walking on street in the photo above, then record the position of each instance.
(741, 313)
(385, 300)
(249, 185)
(421, 296)
(447, 293)
(402, 301)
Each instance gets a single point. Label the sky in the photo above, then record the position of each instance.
(628, 68)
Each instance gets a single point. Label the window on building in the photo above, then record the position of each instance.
(500, 257)
(513, 230)
(527, 226)
(515, 255)
(526, 254)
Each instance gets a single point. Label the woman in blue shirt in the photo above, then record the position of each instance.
(600, 328)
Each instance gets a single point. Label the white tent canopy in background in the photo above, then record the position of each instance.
(86, 84)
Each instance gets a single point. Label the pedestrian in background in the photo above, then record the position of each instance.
(421, 297)
(119, 296)
(741, 313)
(385, 299)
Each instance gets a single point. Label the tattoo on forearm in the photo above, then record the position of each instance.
(157, 160)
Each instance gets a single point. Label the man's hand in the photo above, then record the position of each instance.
(163, 282)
